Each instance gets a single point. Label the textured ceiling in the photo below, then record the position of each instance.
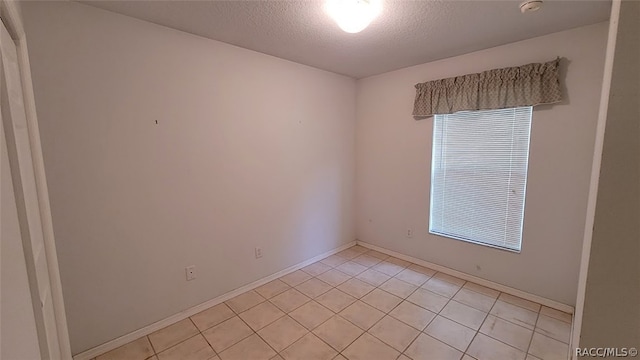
(406, 33)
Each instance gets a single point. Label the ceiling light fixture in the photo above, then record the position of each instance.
(530, 6)
(353, 15)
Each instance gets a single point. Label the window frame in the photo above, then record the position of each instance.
(524, 197)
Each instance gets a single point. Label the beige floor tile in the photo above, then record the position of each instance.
(381, 300)
(556, 314)
(366, 260)
(212, 316)
(422, 270)
(373, 277)
(334, 277)
(509, 333)
(474, 299)
(261, 315)
(482, 290)
(412, 277)
(428, 300)
(515, 314)
(253, 348)
(367, 347)
(356, 288)
(441, 287)
(529, 305)
(172, 335)
(244, 301)
(450, 333)
(295, 278)
(359, 248)
(227, 334)
(272, 289)
(351, 268)
(450, 279)
(505, 334)
(282, 333)
(195, 348)
(427, 348)
(311, 314)
(349, 253)
(399, 262)
(290, 300)
(486, 348)
(335, 300)
(553, 328)
(313, 287)
(413, 315)
(338, 332)
(463, 314)
(394, 332)
(309, 347)
(139, 349)
(388, 268)
(547, 348)
(362, 315)
(377, 254)
(334, 260)
(316, 269)
(398, 288)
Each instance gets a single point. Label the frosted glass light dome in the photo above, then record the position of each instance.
(353, 16)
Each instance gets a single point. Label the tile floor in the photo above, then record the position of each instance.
(362, 305)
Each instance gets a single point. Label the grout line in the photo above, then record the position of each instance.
(320, 304)
(209, 328)
(477, 280)
(385, 314)
(207, 340)
(153, 348)
(476, 332)
(389, 312)
(533, 333)
(256, 333)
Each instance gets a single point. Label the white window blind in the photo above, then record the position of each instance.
(479, 175)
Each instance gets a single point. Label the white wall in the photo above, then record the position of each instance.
(611, 303)
(249, 150)
(393, 155)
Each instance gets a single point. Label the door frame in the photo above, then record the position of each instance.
(576, 330)
(12, 20)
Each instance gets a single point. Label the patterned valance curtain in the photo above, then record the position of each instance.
(526, 85)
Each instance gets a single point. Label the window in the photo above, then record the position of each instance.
(479, 176)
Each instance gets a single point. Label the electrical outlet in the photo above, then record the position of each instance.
(258, 253)
(190, 272)
(409, 232)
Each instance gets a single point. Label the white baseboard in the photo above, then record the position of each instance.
(124, 339)
(490, 284)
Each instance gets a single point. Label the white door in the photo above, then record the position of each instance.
(16, 139)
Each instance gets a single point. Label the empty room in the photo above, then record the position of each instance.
(320, 179)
